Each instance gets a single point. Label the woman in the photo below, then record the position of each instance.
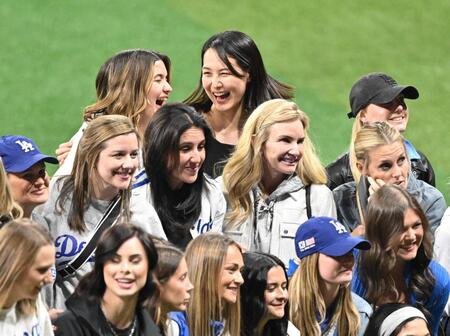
(382, 158)
(106, 160)
(264, 297)
(269, 177)
(378, 97)
(214, 266)
(399, 267)
(320, 299)
(187, 201)
(174, 286)
(9, 209)
(233, 82)
(109, 301)
(27, 256)
(397, 319)
(133, 83)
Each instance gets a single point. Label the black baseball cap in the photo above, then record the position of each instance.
(377, 88)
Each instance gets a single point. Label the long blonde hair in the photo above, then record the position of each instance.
(245, 168)
(306, 302)
(8, 206)
(371, 136)
(20, 242)
(205, 256)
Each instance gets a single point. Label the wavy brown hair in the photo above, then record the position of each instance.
(123, 83)
(9, 209)
(384, 223)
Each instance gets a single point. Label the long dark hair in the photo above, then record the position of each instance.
(93, 284)
(253, 305)
(260, 88)
(384, 222)
(177, 209)
(380, 314)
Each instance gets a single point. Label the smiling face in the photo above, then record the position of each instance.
(276, 294)
(191, 156)
(116, 165)
(125, 273)
(336, 270)
(230, 275)
(176, 292)
(408, 242)
(224, 89)
(39, 274)
(394, 113)
(388, 163)
(160, 89)
(283, 149)
(30, 188)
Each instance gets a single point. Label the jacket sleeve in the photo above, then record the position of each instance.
(68, 325)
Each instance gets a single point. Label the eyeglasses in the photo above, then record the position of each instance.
(392, 105)
(32, 177)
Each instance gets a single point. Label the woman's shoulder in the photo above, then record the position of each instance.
(440, 274)
(361, 305)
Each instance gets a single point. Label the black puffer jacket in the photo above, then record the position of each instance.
(339, 171)
(85, 318)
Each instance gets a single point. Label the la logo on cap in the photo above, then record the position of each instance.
(338, 226)
(25, 145)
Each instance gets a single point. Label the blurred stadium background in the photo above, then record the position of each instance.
(51, 51)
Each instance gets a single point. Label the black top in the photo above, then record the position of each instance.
(217, 156)
(84, 317)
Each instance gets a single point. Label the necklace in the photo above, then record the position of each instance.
(111, 327)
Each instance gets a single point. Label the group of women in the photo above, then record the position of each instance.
(213, 216)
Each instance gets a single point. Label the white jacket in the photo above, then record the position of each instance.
(279, 216)
(213, 204)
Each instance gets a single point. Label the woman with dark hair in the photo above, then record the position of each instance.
(106, 160)
(264, 296)
(133, 83)
(187, 201)
(397, 319)
(398, 267)
(233, 82)
(174, 286)
(110, 299)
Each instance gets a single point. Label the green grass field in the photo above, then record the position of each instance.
(51, 51)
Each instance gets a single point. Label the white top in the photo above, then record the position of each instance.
(14, 324)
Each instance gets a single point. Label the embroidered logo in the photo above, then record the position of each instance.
(338, 226)
(25, 145)
(306, 244)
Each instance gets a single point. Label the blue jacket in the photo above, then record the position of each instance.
(435, 305)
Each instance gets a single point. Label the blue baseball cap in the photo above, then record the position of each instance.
(19, 153)
(326, 235)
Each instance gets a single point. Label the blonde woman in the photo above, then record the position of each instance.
(9, 209)
(269, 177)
(378, 97)
(106, 160)
(214, 262)
(382, 158)
(27, 256)
(320, 299)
